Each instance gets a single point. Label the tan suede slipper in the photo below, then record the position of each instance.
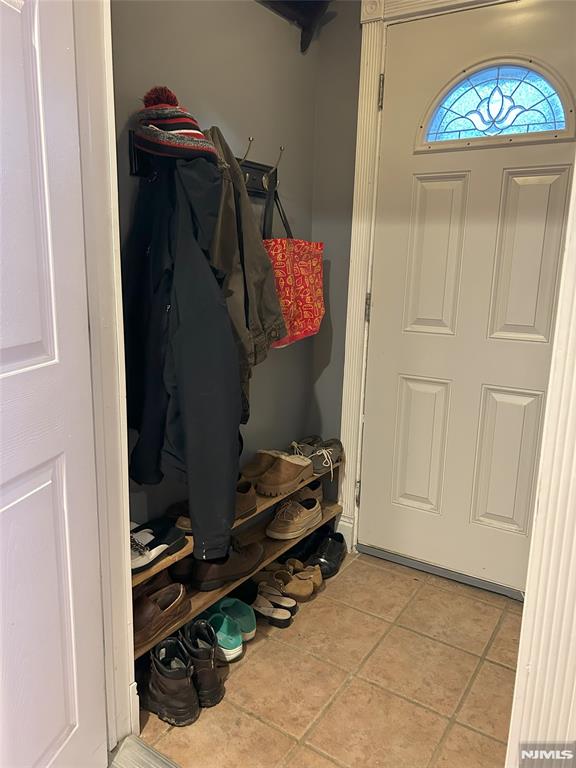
(312, 572)
(284, 476)
(260, 463)
(292, 586)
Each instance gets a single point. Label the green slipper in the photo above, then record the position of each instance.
(241, 613)
(228, 633)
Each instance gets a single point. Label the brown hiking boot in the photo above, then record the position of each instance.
(153, 613)
(210, 672)
(246, 501)
(241, 561)
(170, 692)
(284, 476)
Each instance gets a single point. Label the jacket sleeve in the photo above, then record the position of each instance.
(265, 321)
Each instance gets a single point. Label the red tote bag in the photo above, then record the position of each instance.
(299, 278)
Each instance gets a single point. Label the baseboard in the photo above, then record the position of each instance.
(134, 709)
(515, 594)
(345, 526)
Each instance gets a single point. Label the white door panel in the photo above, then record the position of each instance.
(467, 258)
(52, 704)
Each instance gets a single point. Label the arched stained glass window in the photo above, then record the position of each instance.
(495, 101)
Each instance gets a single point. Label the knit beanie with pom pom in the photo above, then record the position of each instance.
(164, 128)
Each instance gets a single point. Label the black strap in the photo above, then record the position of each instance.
(273, 199)
(283, 216)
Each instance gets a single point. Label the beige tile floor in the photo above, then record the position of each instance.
(387, 668)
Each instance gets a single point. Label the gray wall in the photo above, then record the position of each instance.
(237, 65)
(333, 186)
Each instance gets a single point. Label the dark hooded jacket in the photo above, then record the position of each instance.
(182, 369)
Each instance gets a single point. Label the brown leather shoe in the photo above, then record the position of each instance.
(170, 692)
(313, 490)
(246, 501)
(241, 561)
(284, 476)
(154, 584)
(153, 613)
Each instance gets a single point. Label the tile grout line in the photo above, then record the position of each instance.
(285, 644)
(426, 578)
(325, 755)
(386, 626)
(315, 720)
(355, 673)
(263, 720)
(419, 704)
(454, 718)
(451, 721)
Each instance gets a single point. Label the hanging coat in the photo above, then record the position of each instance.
(182, 370)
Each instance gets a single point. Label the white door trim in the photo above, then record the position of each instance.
(95, 85)
(546, 679)
(543, 708)
(361, 249)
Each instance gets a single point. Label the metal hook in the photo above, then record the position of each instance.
(248, 148)
(274, 168)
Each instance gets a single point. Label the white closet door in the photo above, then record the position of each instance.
(468, 248)
(52, 707)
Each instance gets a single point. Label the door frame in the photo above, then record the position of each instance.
(95, 89)
(542, 710)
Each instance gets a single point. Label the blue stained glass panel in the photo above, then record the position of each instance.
(497, 101)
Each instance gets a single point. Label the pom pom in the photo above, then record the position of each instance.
(160, 94)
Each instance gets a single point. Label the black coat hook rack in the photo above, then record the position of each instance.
(139, 161)
(260, 178)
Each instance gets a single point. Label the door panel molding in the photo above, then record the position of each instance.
(432, 286)
(527, 262)
(36, 501)
(29, 331)
(506, 458)
(420, 443)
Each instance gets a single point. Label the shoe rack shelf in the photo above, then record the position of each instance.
(273, 548)
(263, 504)
(161, 565)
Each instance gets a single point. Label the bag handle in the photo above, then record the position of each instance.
(273, 199)
(283, 216)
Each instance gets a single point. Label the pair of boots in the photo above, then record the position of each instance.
(186, 674)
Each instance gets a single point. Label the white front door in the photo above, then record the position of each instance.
(467, 256)
(52, 704)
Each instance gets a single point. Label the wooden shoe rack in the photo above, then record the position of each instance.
(247, 529)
